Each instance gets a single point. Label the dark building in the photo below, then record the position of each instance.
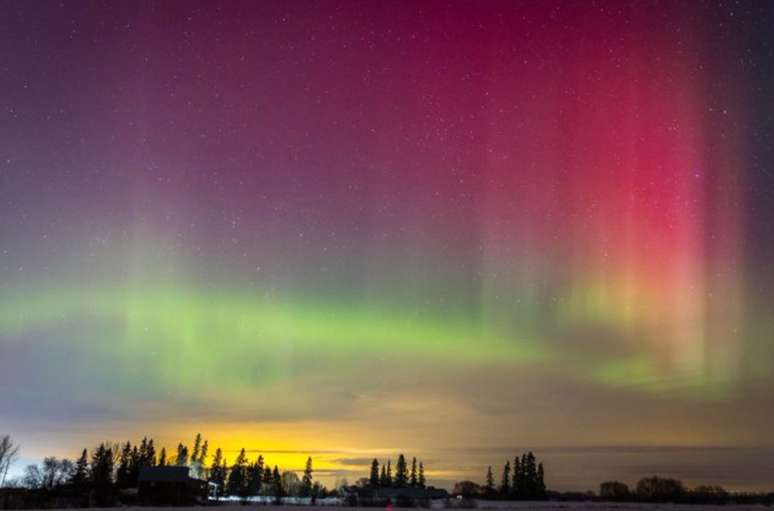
(170, 486)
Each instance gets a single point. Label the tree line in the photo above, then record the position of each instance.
(404, 477)
(100, 476)
(524, 479)
(665, 489)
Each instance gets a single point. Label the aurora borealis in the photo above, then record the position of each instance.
(353, 228)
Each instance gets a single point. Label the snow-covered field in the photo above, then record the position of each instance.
(500, 506)
(605, 506)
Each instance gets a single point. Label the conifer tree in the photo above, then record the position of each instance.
(541, 484)
(383, 477)
(80, 475)
(373, 480)
(306, 481)
(236, 478)
(268, 481)
(401, 472)
(279, 491)
(505, 484)
(203, 453)
(182, 456)
(150, 455)
(255, 477)
(197, 446)
(163, 457)
(530, 475)
(123, 470)
(422, 481)
(134, 467)
(516, 486)
(413, 481)
(489, 485)
(389, 475)
(102, 471)
(217, 475)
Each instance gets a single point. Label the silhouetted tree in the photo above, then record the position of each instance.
(236, 477)
(196, 447)
(413, 479)
(181, 460)
(383, 477)
(517, 487)
(614, 490)
(163, 457)
(268, 481)
(489, 485)
(277, 481)
(505, 484)
(422, 482)
(401, 473)
(80, 476)
(217, 475)
(203, 453)
(134, 466)
(373, 480)
(659, 489)
(388, 479)
(122, 472)
(306, 481)
(255, 477)
(54, 472)
(33, 477)
(541, 483)
(9, 453)
(102, 473)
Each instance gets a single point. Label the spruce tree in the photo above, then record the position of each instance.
(255, 477)
(541, 484)
(102, 473)
(216, 471)
(197, 446)
(373, 480)
(516, 486)
(236, 478)
(134, 467)
(505, 484)
(306, 481)
(413, 478)
(389, 474)
(163, 457)
(279, 491)
(268, 481)
(80, 475)
(489, 485)
(383, 477)
(401, 472)
(182, 456)
(150, 455)
(203, 453)
(422, 481)
(530, 475)
(123, 470)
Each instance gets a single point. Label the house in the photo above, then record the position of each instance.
(171, 486)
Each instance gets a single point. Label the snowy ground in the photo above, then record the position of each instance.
(500, 506)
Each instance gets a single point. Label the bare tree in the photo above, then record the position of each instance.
(9, 453)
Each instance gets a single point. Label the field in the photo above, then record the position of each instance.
(500, 506)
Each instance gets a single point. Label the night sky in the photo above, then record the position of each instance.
(454, 229)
